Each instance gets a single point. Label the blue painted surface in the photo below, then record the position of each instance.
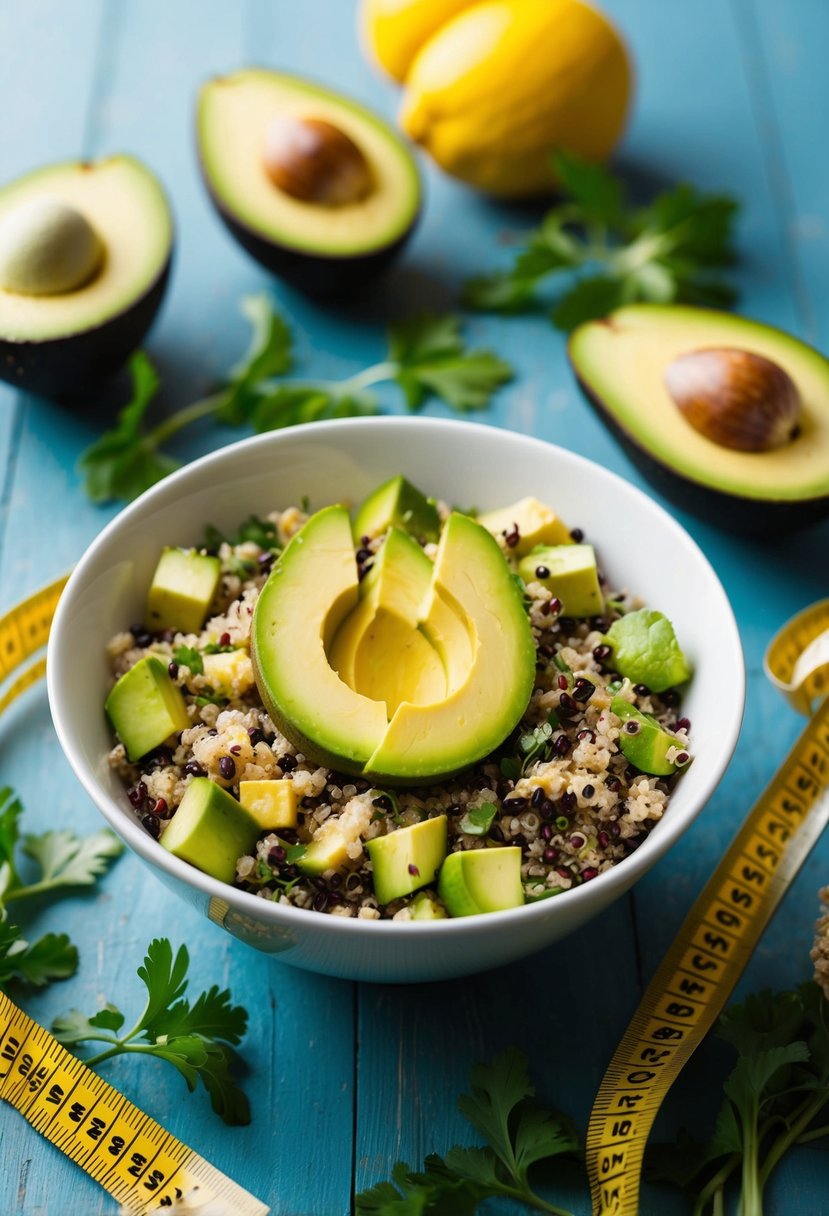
(346, 1079)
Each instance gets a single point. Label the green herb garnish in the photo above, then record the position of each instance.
(427, 357)
(775, 1097)
(519, 1134)
(64, 861)
(534, 745)
(610, 253)
(478, 819)
(261, 532)
(188, 656)
(197, 1039)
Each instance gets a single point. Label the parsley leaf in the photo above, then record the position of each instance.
(606, 253)
(268, 355)
(198, 1039)
(189, 657)
(430, 358)
(519, 1134)
(254, 529)
(126, 461)
(51, 957)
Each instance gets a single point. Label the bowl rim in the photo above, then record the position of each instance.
(610, 883)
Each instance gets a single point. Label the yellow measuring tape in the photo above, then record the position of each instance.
(128, 1153)
(700, 970)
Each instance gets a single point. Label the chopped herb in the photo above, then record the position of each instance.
(478, 819)
(294, 852)
(545, 894)
(510, 767)
(604, 252)
(535, 745)
(196, 1039)
(254, 530)
(189, 657)
(218, 648)
(209, 697)
(562, 665)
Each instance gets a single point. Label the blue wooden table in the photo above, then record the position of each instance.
(347, 1079)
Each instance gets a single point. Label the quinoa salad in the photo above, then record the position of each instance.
(559, 787)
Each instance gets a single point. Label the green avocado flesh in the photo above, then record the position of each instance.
(646, 651)
(481, 880)
(234, 116)
(647, 748)
(424, 906)
(621, 363)
(415, 674)
(397, 503)
(571, 576)
(128, 212)
(182, 590)
(210, 829)
(407, 859)
(145, 707)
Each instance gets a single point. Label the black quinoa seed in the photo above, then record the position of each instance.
(276, 855)
(568, 801)
(172, 671)
(383, 802)
(413, 870)
(537, 797)
(542, 572)
(141, 636)
(613, 784)
(550, 855)
(577, 535)
(670, 697)
(583, 690)
(152, 825)
(641, 690)
(546, 831)
(320, 902)
(602, 652)
(567, 624)
(496, 833)
(587, 791)
(589, 874)
(227, 767)
(567, 706)
(287, 763)
(256, 736)
(631, 727)
(138, 795)
(561, 746)
(548, 809)
(514, 805)
(193, 769)
(599, 624)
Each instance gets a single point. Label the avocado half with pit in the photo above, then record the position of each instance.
(85, 250)
(436, 661)
(727, 416)
(320, 190)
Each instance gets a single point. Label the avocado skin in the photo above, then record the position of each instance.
(321, 276)
(748, 516)
(68, 367)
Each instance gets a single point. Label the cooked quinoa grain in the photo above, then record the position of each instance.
(559, 787)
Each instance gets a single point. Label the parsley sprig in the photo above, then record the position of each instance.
(775, 1097)
(427, 357)
(604, 252)
(64, 861)
(519, 1133)
(197, 1039)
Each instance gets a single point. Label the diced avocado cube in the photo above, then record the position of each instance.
(210, 830)
(182, 590)
(646, 651)
(397, 502)
(408, 858)
(229, 672)
(644, 743)
(481, 880)
(536, 524)
(272, 804)
(569, 572)
(425, 906)
(145, 707)
(334, 842)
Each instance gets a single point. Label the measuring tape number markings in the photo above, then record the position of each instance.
(143, 1166)
(699, 972)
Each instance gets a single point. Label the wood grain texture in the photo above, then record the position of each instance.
(347, 1079)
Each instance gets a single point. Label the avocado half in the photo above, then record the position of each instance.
(321, 249)
(620, 364)
(64, 344)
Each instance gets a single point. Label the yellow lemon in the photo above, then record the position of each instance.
(393, 31)
(505, 82)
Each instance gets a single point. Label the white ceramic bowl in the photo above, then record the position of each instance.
(640, 546)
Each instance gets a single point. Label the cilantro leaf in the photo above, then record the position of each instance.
(51, 957)
(605, 253)
(268, 355)
(431, 358)
(294, 403)
(519, 1134)
(125, 461)
(67, 860)
(198, 1040)
(261, 532)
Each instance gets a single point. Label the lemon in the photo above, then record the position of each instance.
(393, 31)
(502, 84)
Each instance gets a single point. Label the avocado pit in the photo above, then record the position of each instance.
(47, 248)
(736, 398)
(314, 161)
